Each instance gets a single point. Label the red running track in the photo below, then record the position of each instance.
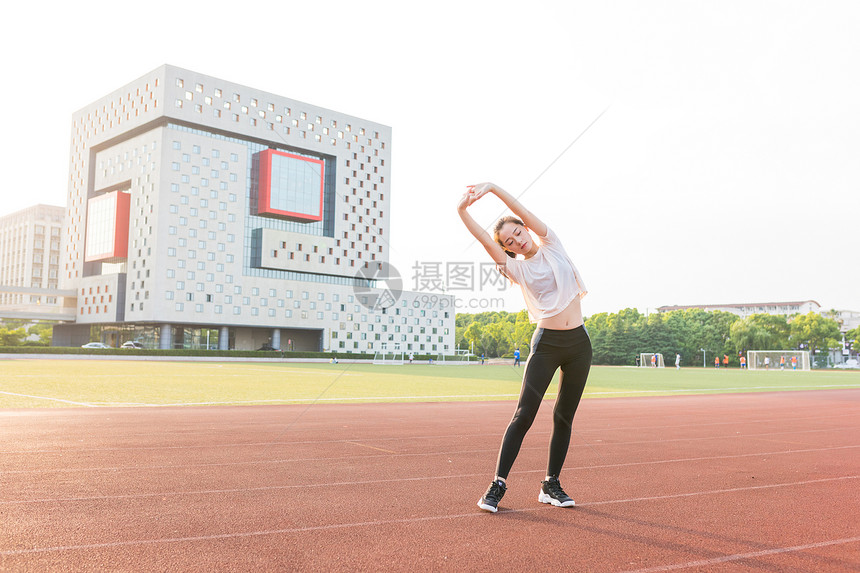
(743, 482)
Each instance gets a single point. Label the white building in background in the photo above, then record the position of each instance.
(30, 256)
(847, 319)
(748, 309)
(200, 210)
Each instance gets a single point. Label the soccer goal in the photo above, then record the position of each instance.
(645, 360)
(442, 359)
(458, 358)
(778, 360)
(389, 356)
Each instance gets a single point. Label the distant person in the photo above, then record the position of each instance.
(637, 360)
(782, 362)
(517, 357)
(743, 360)
(411, 357)
(654, 361)
(677, 361)
(725, 360)
(482, 358)
(716, 362)
(794, 362)
(767, 362)
(552, 288)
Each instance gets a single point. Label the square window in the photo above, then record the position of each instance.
(291, 186)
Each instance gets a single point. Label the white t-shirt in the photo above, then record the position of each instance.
(549, 280)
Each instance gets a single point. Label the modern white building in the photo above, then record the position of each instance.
(203, 213)
(30, 260)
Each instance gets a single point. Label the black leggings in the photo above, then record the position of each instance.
(569, 350)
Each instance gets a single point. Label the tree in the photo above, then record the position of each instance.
(615, 338)
(760, 332)
(495, 333)
(717, 332)
(497, 338)
(625, 336)
(690, 334)
(12, 337)
(853, 337)
(522, 333)
(473, 336)
(598, 330)
(815, 332)
(618, 338)
(44, 331)
(655, 335)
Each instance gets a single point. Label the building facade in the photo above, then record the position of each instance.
(748, 309)
(30, 256)
(203, 213)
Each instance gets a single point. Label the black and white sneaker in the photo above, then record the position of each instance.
(490, 500)
(551, 492)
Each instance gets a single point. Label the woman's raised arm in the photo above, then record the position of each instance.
(527, 217)
(493, 249)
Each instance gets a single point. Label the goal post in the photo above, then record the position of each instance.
(386, 356)
(778, 360)
(645, 360)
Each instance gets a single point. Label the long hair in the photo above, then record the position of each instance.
(501, 223)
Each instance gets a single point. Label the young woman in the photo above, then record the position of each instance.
(552, 288)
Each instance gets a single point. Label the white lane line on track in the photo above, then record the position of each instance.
(371, 447)
(580, 433)
(50, 399)
(288, 401)
(345, 484)
(591, 433)
(715, 491)
(684, 390)
(742, 556)
(334, 526)
(425, 454)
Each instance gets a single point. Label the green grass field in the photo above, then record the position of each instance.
(89, 383)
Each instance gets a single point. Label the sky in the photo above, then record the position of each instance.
(723, 165)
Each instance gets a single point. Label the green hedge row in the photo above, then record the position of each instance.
(177, 352)
(185, 352)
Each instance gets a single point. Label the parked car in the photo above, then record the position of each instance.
(95, 345)
(132, 345)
